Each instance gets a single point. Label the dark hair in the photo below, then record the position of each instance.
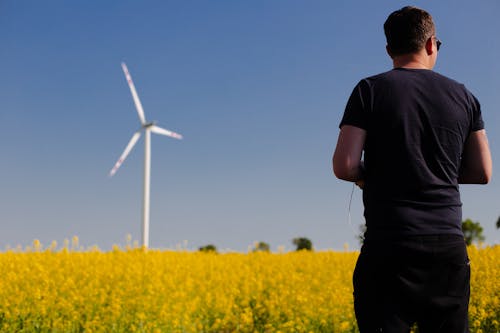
(408, 29)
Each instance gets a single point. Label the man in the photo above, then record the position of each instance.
(408, 137)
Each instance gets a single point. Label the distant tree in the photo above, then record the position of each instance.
(473, 232)
(498, 223)
(208, 248)
(303, 243)
(262, 247)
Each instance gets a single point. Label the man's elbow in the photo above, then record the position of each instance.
(484, 173)
(485, 178)
(480, 177)
(344, 171)
(339, 173)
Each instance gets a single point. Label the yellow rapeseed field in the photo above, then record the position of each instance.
(133, 290)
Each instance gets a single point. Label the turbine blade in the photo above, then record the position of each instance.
(162, 131)
(125, 153)
(137, 101)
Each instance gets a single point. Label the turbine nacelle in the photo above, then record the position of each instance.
(149, 125)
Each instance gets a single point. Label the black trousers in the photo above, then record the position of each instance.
(423, 280)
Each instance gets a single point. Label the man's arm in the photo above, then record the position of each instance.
(347, 164)
(476, 165)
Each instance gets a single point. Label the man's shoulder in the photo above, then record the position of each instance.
(396, 75)
(370, 81)
(387, 76)
(439, 76)
(378, 76)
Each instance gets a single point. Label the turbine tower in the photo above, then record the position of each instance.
(147, 127)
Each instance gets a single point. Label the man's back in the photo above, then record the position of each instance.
(417, 122)
(408, 138)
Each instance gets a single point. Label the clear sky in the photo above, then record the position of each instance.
(257, 88)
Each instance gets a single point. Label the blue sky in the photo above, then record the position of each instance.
(257, 88)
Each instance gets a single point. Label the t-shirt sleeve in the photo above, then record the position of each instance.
(355, 113)
(477, 119)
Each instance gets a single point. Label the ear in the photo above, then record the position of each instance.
(429, 46)
(388, 49)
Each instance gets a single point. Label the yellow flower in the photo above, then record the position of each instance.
(133, 290)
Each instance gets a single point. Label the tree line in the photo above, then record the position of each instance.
(473, 233)
(301, 244)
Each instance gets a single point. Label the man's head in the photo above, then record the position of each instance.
(407, 30)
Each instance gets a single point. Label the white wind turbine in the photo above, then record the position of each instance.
(147, 127)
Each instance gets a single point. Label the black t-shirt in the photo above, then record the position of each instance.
(416, 122)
